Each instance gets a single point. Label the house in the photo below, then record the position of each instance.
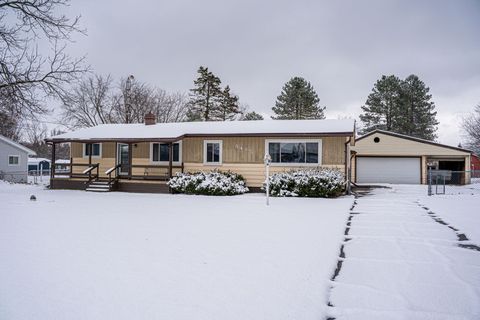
(13, 160)
(142, 157)
(38, 165)
(386, 157)
(475, 165)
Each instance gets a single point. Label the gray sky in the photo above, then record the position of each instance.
(341, 47)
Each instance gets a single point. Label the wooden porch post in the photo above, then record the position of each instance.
(89, 146)
(130, 159)
(52, 169)
(170, 159)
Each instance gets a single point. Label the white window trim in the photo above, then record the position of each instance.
(177, 163)
(220, 142)
(13, 155)
(296, 164)
(100, 150)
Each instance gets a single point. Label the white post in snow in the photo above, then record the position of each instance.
(267, 161)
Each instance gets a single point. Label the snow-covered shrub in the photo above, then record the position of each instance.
(214, 183)
(325, 183)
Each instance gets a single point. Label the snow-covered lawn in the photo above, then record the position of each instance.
(78, 255)
(400, 263)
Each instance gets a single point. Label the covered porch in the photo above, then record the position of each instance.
(117, 165)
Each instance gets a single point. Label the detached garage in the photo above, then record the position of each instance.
(387, 157)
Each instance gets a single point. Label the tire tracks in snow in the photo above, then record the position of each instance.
(460, 236)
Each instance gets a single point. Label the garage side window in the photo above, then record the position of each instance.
(295, 152)
(13, 160)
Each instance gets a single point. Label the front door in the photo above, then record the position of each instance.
(123, 158)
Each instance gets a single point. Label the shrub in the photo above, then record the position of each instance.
(325, 183)
(214, 183)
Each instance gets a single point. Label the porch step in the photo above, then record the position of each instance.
(98, 186)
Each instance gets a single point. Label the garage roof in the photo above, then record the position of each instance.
(403, 136)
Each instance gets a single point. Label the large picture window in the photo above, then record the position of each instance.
(96, 150)
(295, 152)
(212, 152)
(161, 152)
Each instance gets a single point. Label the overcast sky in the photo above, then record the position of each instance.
(341, 47)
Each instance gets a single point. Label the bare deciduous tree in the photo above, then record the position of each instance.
(89, 104)
(27, 76)
(95, 101)
(471, 126)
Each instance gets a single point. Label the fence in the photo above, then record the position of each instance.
(449, 182)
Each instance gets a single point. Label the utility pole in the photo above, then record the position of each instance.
(128, 87)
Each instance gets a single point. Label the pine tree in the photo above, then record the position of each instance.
(381, 108)
(228, 107)
(401, 106)
(298, 100)
(252, 116)
(417, 111)
(204, 97)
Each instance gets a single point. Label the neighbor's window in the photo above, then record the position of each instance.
(212, 151)
(295, 152)
(96, 150)
(161, 152)
(13, 160)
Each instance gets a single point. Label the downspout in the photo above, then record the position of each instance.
(347, 165)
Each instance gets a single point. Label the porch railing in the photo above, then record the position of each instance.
(89, 170)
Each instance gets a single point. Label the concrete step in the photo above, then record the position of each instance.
(97, 189)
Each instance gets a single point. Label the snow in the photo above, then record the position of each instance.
(176, 130)
(37, 160)
(402, 264)
(78, 255)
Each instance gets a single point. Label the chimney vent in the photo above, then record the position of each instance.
(150, 119)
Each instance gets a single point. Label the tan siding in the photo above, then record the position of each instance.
(333, 150)
(253, 173)
(141, 150)
(108, 150)
(192, 150)
(395, 146)
(76, 150)
(105, 164)
(252, 149)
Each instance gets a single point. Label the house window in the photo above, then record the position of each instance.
(13, 160)
(306, 152)
(96, 150)
(212, 151)
(161, 152)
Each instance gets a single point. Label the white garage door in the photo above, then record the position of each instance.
(388, 170)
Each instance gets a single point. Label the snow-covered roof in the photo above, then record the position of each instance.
(17, 145)
(37, 160)
(179, 129)
(62, 161)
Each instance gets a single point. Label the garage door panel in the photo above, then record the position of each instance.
(388, 170)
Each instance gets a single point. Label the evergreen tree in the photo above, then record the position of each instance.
(381, 108)
(298, 100)
(417, 111)
(228, 107)
(401, 106)
(204, 97)
(252, 116)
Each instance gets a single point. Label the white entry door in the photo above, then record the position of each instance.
(388, 170)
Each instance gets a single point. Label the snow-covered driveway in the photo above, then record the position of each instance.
(402, 264)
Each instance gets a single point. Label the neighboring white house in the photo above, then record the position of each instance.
(13, 160)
